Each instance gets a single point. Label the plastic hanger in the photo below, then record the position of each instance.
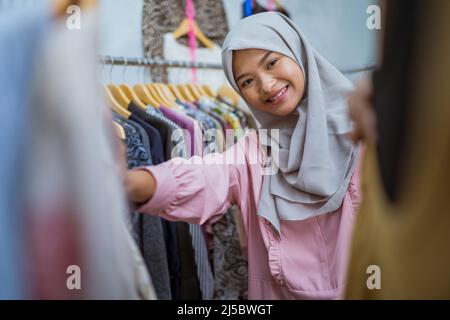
(183, 30)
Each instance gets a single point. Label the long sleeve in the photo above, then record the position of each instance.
(197, 189)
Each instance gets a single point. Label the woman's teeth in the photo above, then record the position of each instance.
(279, 94)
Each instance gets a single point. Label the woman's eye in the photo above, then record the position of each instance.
(246, 83)
(271, 63)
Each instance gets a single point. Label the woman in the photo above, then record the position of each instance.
(299, 217)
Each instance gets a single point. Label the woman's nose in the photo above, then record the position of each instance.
(267, 84)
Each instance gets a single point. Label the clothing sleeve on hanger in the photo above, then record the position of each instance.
(197, 189)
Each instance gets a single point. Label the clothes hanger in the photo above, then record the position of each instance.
(129, 92)
(161, 95)
(116, 92)
(143, 93)
(209, 91)
(112, 103)
(170, 96)
(151, 89)
(185, 93)
(119, 130)
(176, 92)
(197, 95)
(201, 90)
(183, 30)
(229, 94)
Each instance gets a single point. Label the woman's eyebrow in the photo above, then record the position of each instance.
(264, 57)
(259, 63)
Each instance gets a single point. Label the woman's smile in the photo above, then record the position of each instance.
(278, 96)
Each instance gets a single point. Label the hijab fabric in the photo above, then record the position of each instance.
(314, 157)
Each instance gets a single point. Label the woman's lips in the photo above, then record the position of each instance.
(278, 96)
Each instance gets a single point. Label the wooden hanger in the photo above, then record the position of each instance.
(209, 91)
(119, 96)
(197, 95)
(161, 94)
(130, 94)
(164, 88)
(183, 29)
(176, 92)
(229, 94)
(156, 95)
(114, 105)
(185, 93)
(119, 131)
(201, 90)
(145, 96)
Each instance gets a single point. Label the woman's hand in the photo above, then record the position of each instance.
(360, 106)
(140, 186)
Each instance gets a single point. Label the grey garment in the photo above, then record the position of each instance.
(162, 16)
(313, 155)
(155, 255)
(230, 266)
(147, 230)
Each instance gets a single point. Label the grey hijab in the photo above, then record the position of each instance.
(314, 156)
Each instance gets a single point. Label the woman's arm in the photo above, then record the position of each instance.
(192, 190)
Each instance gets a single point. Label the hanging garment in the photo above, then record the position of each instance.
(71, 177)
(230, 267)
(157, 149)
(173, 51)
(163, 16)
(21, 33)
(400, 247)
(149, 233)
(205, 277)
(257, 8)
(300, 263)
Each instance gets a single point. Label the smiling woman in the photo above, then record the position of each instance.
(269, 81)
(298, 221)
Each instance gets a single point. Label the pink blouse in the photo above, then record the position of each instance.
(306, 261)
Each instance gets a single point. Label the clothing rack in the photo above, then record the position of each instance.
(148, 62)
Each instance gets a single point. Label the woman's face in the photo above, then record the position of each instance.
(268, 81)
